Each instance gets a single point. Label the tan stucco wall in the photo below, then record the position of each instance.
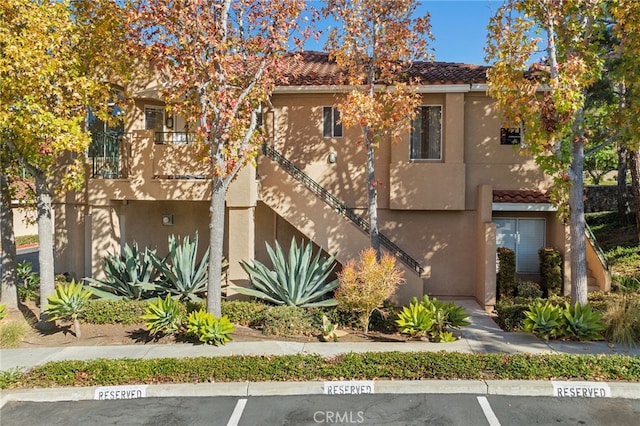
(439, 212)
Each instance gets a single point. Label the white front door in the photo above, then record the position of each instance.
(525, 237)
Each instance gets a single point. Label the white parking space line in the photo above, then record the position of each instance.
(237, 412)
(488, 412)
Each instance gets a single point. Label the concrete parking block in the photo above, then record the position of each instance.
(198, 389)
(431, 386)
(519, 387)
(285, 388)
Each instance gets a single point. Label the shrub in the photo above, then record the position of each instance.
(30, 286)
(510, 313)
(244, 313)
(131, 276)
(506, 275)
(162, 316)
(581, 322)
(209, 329)
(106, 311)
(626, 283)
(67, 303)
(365, 285)
(623, 322)
(3, 311)
(181, 274)
(543, 320)
(12, 333)
(298, 279)
(529, 290)
(550, 271)
(288, 321)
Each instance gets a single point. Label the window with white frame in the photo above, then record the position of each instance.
(426, 134)
(331, 125)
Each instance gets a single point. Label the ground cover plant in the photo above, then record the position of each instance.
(352, 366)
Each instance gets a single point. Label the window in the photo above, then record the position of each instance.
(525, 237)
(154, 120)
(426, 134)
(331, 125)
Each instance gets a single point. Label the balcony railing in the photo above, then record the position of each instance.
(176, 138)
(108, 155)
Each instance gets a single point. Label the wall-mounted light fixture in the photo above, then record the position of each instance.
(169, 122)
(333, 157)
(167, 219)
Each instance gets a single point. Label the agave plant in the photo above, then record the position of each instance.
(543, 320)
(130, 276)
(298, 279)
(162, 316)
(209, 329)
(182, 274)
(67, 303)
(415, 319)
(582, 322)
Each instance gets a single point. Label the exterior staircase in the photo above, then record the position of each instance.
(598, 275)
(326, 221)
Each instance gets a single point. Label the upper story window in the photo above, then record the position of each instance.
(331, 125)
(154, 120)
(426, 134)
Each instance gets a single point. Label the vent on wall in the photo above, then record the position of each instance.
(167, 219)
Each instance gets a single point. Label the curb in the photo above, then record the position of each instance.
(623, 390)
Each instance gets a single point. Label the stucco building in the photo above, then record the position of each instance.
(452, 188)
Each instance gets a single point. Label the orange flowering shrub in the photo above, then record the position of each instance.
(366, 284)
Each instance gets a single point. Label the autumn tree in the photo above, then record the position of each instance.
(221, 60)
(549, 101)
(375, 43)
(54, 62)
(625, 15)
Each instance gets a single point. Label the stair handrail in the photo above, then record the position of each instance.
(594, 242)
(340, 207)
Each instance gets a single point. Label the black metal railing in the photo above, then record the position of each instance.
(596, 246)
(340, 207)
(176, 138)
(108, 156)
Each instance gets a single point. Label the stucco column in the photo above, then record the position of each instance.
(485, 291)
(241, 244)
(241, 204)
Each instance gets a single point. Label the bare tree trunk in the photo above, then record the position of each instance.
(216, 239)
(577, 221)
(623, 201)
(9, 272)
(634, 165)
(372, 197)
(45, 237)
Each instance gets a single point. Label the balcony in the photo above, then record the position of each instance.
(109, 157)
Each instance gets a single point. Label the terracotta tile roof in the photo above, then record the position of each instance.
(520, 196)
(315, 68)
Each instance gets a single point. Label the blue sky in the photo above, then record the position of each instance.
(459, 28)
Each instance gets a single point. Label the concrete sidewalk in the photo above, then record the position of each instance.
(481, 336)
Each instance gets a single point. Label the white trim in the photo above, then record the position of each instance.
(444, 88)
(478, 87)
(523, 207)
